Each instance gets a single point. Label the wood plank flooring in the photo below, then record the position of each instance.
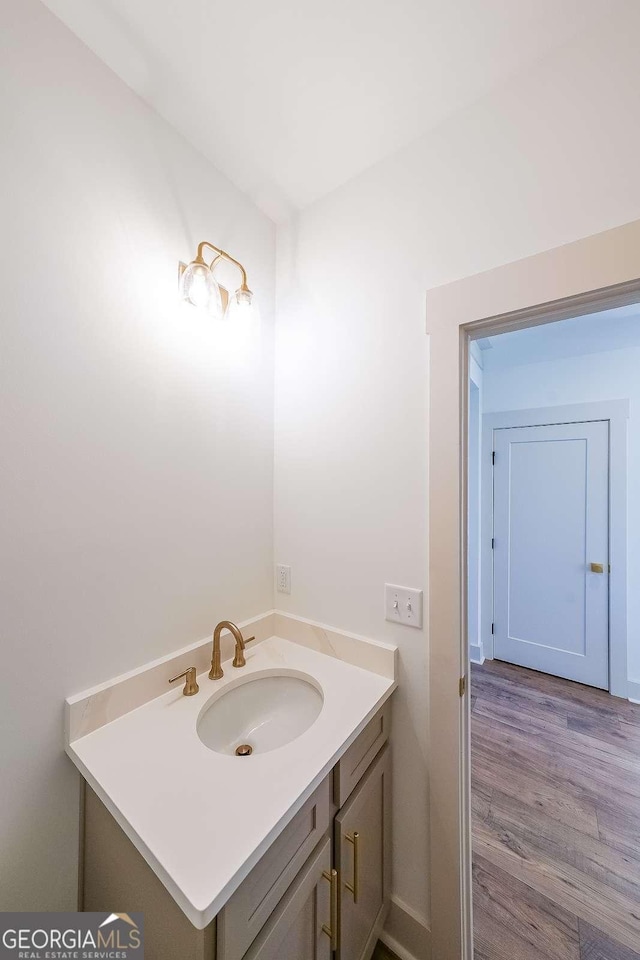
(556, 818)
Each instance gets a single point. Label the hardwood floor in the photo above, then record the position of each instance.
(556, 818)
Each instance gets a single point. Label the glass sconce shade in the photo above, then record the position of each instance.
(199, 287)
(242, 308)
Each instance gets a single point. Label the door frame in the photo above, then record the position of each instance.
(586, 276)
(616, 413)
(474, 512)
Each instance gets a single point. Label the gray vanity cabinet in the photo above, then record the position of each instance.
(307, 898)
(362, 857)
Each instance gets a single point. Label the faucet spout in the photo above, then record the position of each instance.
(216, 672)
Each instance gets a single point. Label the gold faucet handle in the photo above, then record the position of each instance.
(239, 660)
(190, 687)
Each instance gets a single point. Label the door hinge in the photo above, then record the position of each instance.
(493, 457)
(462, 686)
(493, 543)
(493, 628)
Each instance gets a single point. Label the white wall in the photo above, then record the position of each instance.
(551, 158)
(136, 448)
(611, 375)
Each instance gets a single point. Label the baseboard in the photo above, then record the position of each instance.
(406, 934)
(475, 653)
(633, 690)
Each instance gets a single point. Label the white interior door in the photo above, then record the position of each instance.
(551, 522)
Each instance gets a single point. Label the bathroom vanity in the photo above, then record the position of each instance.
(279, 855)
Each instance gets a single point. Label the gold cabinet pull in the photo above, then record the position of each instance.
(597, 567)
(332, 930)
(355, 842)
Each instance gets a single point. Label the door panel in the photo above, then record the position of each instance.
(300, 926)
(366, 815)
(551, 521)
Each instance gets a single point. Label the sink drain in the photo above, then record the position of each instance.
(244, 750)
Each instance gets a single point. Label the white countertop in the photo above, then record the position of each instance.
(201, 819)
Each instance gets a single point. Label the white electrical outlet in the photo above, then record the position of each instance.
(403, 605)
(283, 578)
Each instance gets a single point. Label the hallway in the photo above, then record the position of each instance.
(556, 818)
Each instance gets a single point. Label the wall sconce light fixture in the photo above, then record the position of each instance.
(199, 286)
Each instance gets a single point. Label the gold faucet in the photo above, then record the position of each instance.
(190, 685)
(216, 671)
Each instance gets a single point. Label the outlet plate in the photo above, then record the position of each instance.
(283, 578)
(403, 605)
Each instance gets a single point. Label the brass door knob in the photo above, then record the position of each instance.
(597, 567)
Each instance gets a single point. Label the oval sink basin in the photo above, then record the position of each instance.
(260, 714)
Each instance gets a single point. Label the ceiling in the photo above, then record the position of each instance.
(617, 329)
(290, 99)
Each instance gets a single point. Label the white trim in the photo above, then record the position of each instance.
(475, 372)
(486, 528)
(474, 481)
(475, 654)
(633, 691)
(616, 412)
(475, 354)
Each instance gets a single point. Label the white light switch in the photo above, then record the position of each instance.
(403, 605)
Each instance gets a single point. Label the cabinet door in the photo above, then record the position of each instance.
(362, 843)
(300, 927)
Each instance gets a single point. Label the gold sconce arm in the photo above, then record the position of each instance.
(221, 255)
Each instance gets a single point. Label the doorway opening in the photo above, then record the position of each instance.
(553, 417)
